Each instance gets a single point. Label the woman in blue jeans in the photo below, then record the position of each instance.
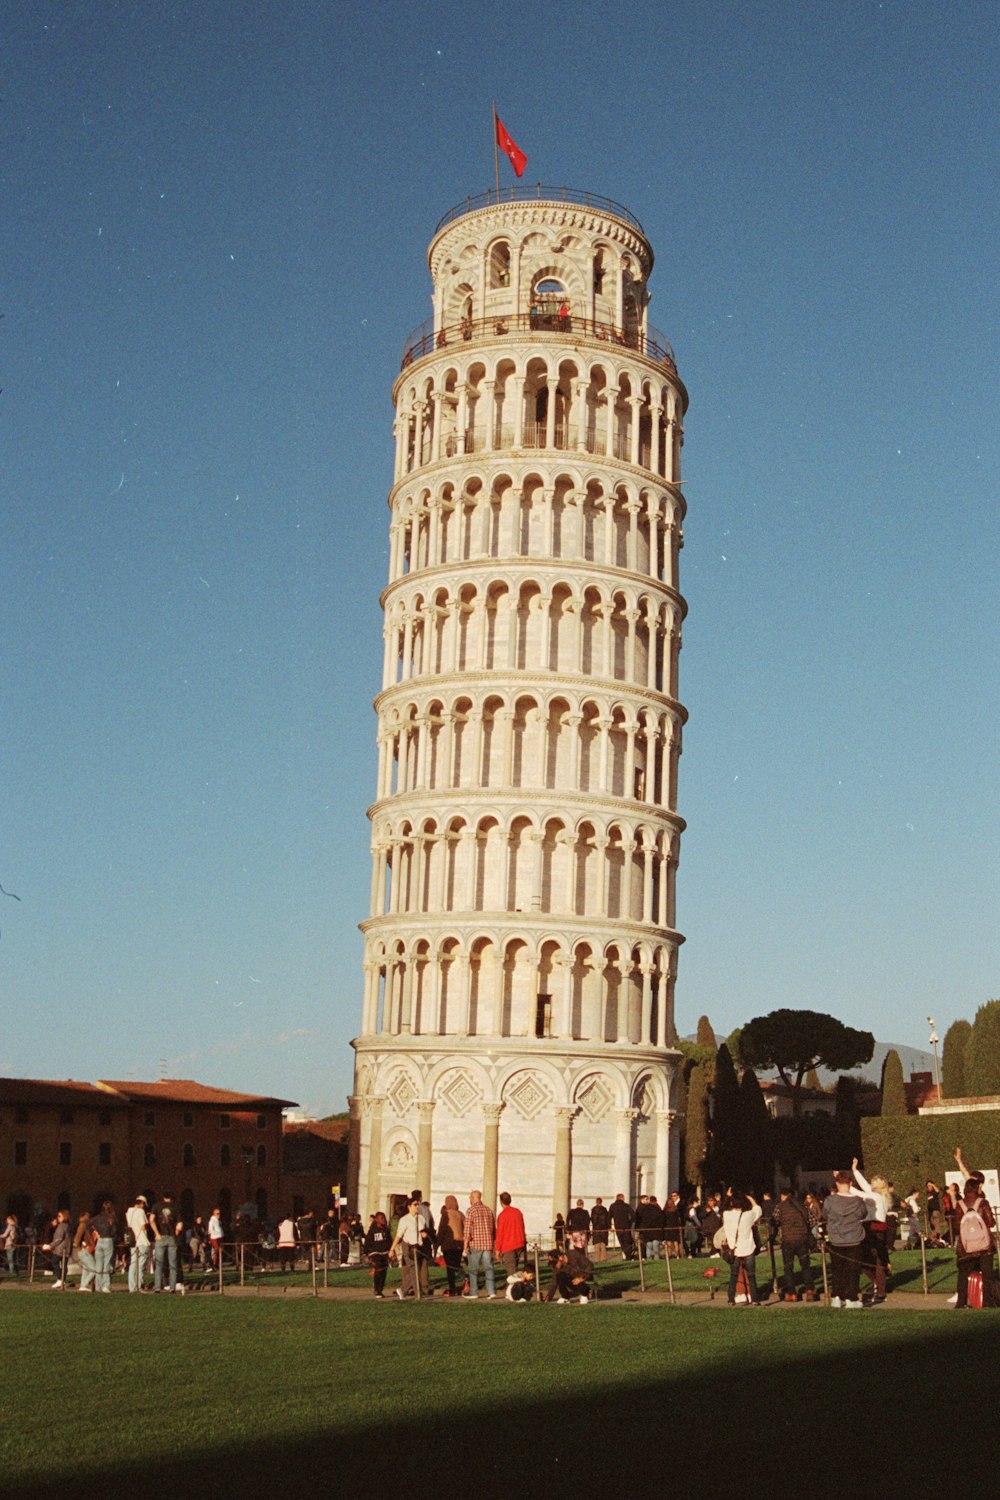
(738, 1221)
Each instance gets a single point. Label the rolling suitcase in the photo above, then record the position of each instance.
(974, 1293)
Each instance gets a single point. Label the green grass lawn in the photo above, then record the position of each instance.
(219, 1397)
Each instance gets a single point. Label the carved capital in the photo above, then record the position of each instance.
(492, 1113)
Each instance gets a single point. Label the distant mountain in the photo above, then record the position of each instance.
(912, 1059)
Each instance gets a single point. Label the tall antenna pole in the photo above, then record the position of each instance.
(496, 150)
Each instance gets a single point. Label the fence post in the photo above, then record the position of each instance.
(642, 1260)
(222, 1256)
(670, 1278)
(923, 1264)
(312, 1260)
(826, 1283)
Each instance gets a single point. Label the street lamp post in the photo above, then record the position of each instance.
(933, 1039)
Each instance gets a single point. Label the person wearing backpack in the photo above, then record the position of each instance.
(974, 1246)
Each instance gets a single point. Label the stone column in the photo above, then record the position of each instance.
(562, 1161)
(623, 1152)
(661, 1172)
(373, 1184)
(491, 1153)
(425, 1111)
(354, 1153)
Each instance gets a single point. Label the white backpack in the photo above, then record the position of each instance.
(973, 1235)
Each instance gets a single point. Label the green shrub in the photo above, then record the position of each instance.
(911, 1149)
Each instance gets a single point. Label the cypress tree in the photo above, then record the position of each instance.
(696, 1139)
(756, 1136)
(706, 1033)
(725, 1120)
(847, 1122)
(893, 1090)
(956, 1039)
(982, 1052)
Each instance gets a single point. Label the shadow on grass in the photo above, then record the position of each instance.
(884, 1392)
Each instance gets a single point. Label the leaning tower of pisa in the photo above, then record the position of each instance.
(521, 947)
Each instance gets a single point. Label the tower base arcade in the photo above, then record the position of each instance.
(505, 1115)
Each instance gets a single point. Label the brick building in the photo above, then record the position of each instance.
(69, 1144)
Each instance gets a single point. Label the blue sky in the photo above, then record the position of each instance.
(213, 246)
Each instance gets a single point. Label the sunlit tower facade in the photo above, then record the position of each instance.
(521, 943)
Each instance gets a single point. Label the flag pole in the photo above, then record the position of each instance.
(496, 150)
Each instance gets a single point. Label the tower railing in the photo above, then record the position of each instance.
(538, 193)
(428, 340)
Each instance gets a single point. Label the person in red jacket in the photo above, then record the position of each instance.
(511, 1241)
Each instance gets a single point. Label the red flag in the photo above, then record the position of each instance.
(510, 148)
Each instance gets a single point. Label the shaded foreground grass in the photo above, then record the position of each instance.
(249, 1398)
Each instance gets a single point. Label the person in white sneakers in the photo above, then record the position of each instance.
(844, 1216)
(60, 1246)
(137, 1219)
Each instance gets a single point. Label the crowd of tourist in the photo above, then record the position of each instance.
(856, 1226)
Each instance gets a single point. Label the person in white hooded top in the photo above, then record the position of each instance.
(738, 1221)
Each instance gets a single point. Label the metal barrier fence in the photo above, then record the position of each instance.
(248, 1264)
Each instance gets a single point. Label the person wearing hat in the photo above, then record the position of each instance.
(137, 1220)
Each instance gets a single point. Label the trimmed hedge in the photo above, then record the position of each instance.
(910, 1151)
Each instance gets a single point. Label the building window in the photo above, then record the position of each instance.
(262, 1156)
(543, 1015)
(149, 1119)
(149, 1155)
(20, 1115)
(104, 1118)
(224, 1156)
(188, 1158)
(262, 1122)
(188, 1119)
(225, 1121)
(20, 1153)
(65, 1153)
(104, 1154)
(65, 1117)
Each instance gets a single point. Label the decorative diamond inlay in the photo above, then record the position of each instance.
(458, 1094)
(596, 1099)
(402, 1094)
(528, 1096)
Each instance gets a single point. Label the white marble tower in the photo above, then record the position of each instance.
(521, 948)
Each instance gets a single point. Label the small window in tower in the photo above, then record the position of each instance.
(543, 1015)
(500, 264)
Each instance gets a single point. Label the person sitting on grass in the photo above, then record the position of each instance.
(521, 1285)
(574, 1276)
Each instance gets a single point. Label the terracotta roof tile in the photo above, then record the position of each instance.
(58, 1091)
(186, 1091)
